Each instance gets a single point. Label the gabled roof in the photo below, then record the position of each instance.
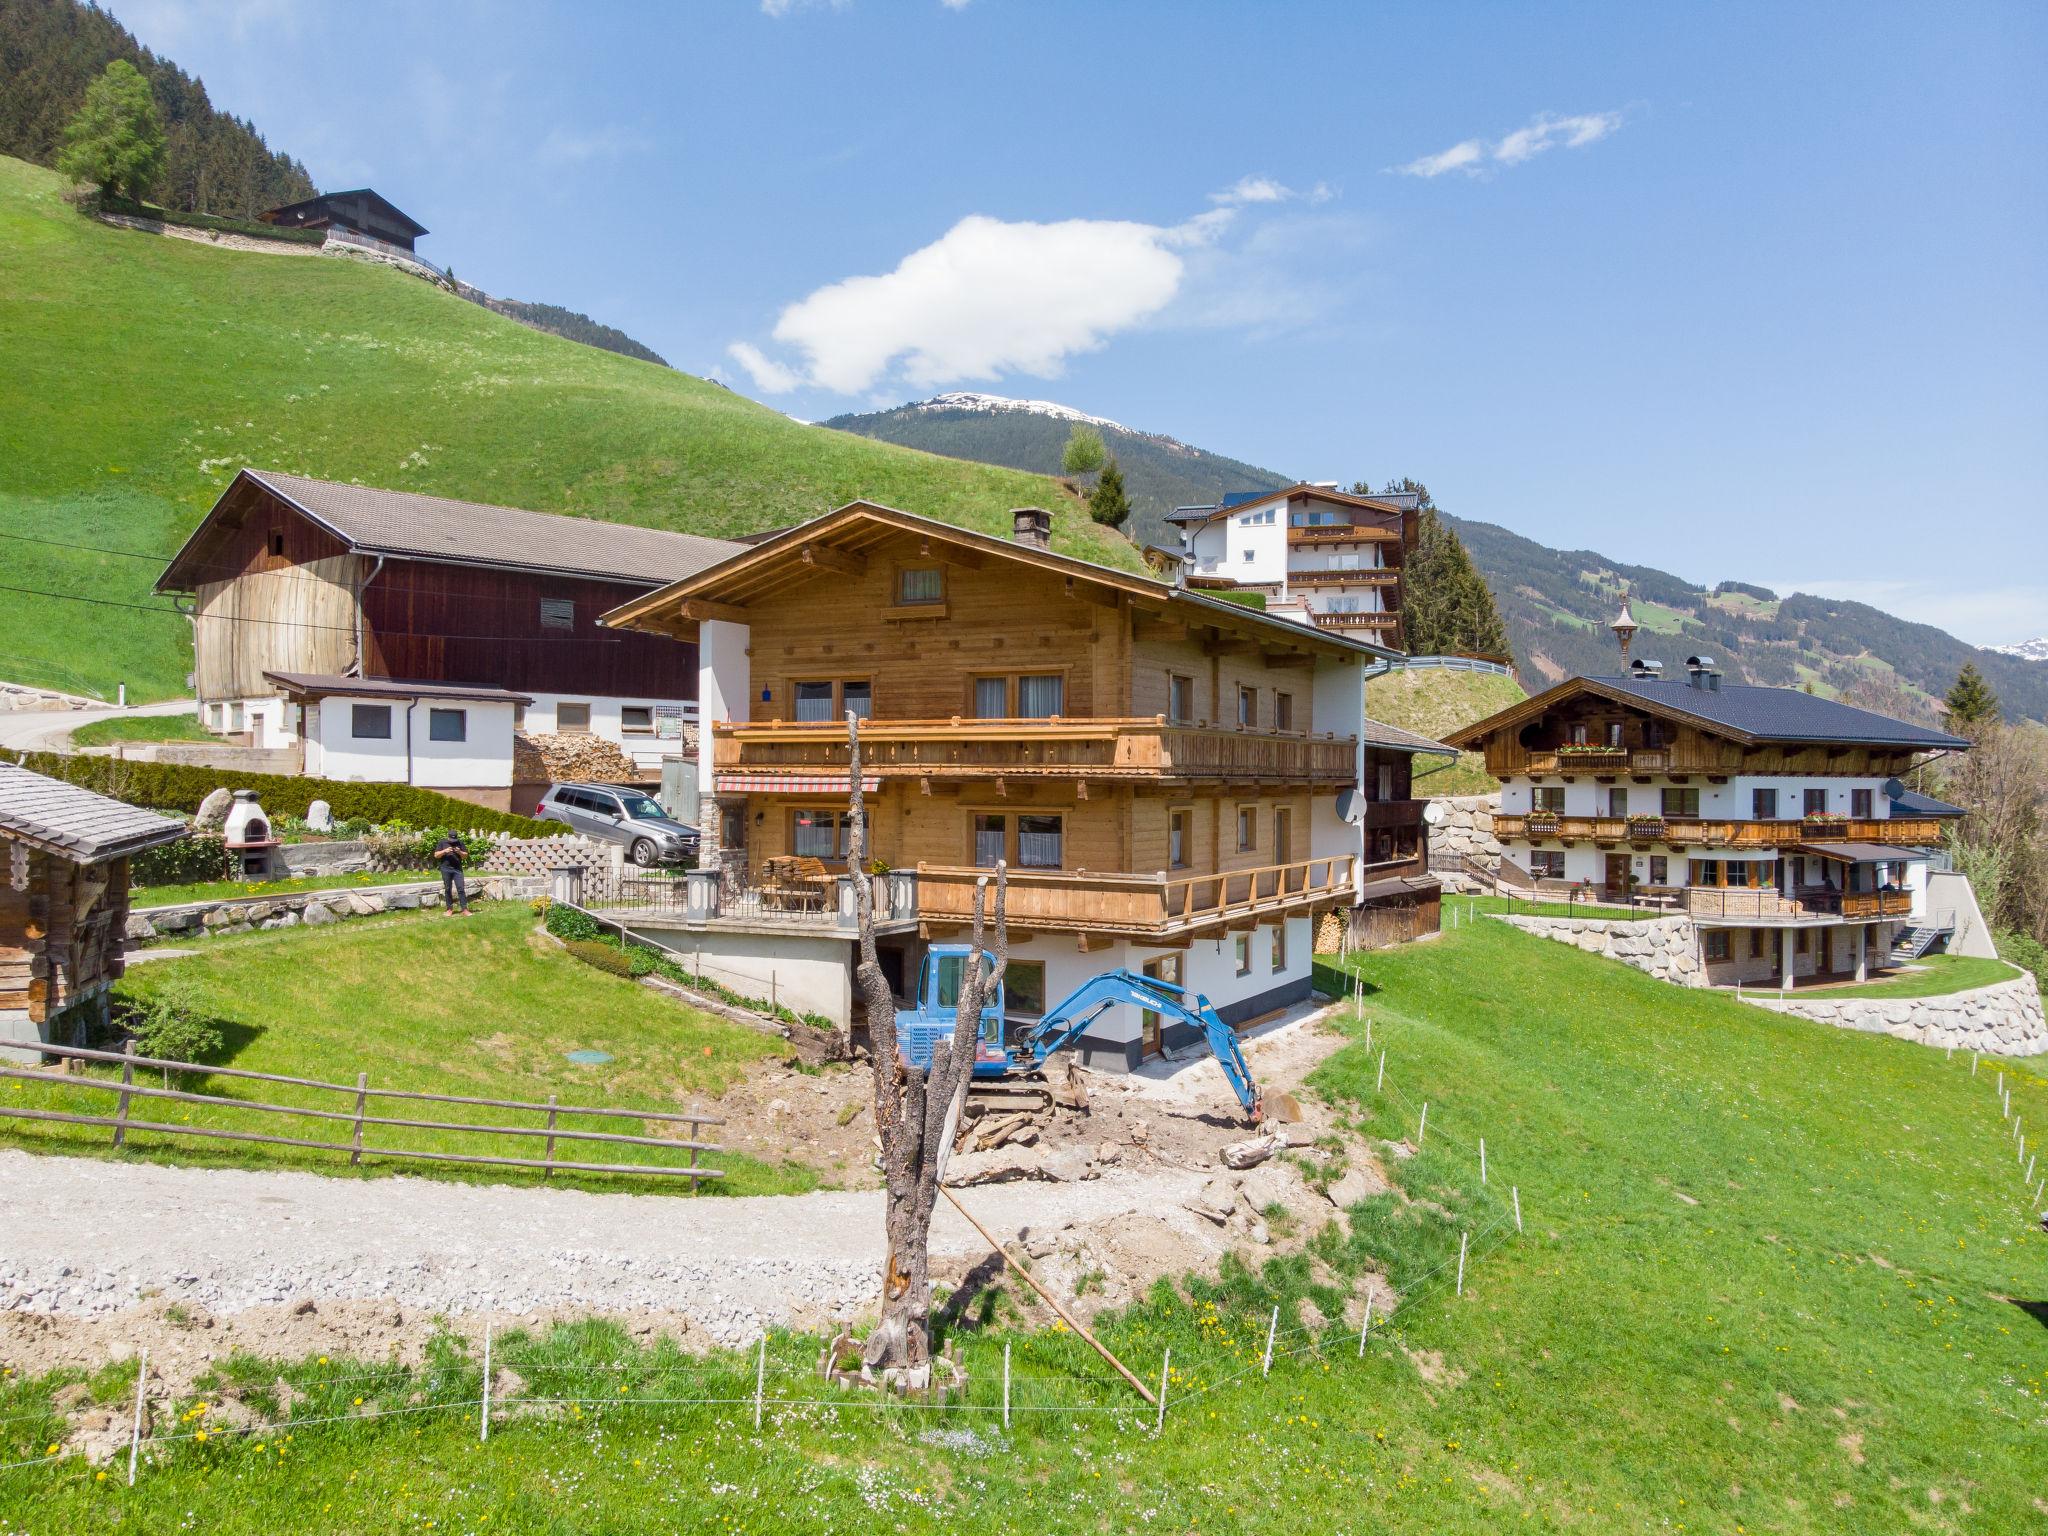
(1301, 490)
(320, 685)
(76, 824)
(271, 215)
(409, 525)
(760, 568)
(1379, 734)
(1739, 711)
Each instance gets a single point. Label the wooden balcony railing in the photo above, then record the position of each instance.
(1339, 533)
(1600, 759)
(1159, 905)
(1355, 620)
(1056, 748)
(1682, 832)
(1335, 578)
(1766, 904)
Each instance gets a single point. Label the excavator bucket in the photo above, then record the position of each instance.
(1282, 1108)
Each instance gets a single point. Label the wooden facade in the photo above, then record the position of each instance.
(62, 927)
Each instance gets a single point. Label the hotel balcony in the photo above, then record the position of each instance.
(1161, 906)
(1371, 578)
(752, 757)
(1690, 832)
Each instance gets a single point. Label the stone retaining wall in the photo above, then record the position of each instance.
(1667, 948)
(2003, 1019)
(1465, 833)
(290, 909)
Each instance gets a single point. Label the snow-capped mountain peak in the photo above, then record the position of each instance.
(2026, 650)
(974, 400)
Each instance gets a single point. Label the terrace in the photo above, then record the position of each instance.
(1679, 832)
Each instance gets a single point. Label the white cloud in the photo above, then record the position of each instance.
(954, 5)
(1264, 189)
(1475, 157)
(781, 8)
(986, 298)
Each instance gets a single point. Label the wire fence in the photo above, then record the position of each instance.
(1043, 1375)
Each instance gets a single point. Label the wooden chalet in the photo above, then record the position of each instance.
(361, 211)
(64, 855)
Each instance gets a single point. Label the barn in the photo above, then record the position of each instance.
(64, 855)
(361, 211)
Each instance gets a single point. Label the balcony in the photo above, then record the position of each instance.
(1139, 906)
(1810, 904)
(1689, 832)
(1600, 759)
(1375, 621)
(1128, 749)
(1372, 578)
(1341, 533)
(741, 901)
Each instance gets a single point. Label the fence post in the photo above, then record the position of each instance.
(355, 1149)
(1165, 1370)
(1381, 1081)
(135, 1433)
(760, 1379)
(549, 1171)
(1517, 1193)
(1422, 1126)
(696, 1135)
(127, 1081)
(1364, 1326)
(1463, 1238)
(483, 1426)
(1273, 1327)
(1482, 1160)
(1006, 1383)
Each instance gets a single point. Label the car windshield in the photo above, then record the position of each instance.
(641, 807)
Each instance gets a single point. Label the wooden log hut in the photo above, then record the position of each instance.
(64, 855)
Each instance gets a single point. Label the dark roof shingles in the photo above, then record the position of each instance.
(83, 824)
(1783, 714)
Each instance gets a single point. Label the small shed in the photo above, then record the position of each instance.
(64, 855)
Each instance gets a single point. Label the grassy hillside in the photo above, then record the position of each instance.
(1435, 701)
(1775, 1277)
(142, 372)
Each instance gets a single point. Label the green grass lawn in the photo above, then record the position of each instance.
(1776, 1277)
(1938, 975)
(223, 890)
(477, 1007)
(142, 372)
(1524, 908)
(105, 733)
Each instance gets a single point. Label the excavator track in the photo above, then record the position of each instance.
(1008, 1095)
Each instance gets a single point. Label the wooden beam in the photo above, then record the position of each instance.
(1090, 942)
(830, 559)
(703, 608)
(955, 554)
(1287, 659)
(1236, 645)
(1088, 592)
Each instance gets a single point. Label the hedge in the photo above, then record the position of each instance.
(191, 860)
(182, 786)
(252, 228)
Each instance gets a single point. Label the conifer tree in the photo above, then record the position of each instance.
(1107, 503)
(1971, 701)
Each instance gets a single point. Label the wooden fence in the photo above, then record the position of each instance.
(122, 1121)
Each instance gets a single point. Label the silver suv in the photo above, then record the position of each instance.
(613, 815)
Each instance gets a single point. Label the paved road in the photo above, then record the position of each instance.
(35, 730)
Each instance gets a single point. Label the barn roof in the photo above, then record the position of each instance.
(409, 525)
(75, 823)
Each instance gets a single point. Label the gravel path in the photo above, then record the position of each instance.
(81, 1238)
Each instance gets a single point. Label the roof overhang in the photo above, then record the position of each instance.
(306, 686)
(1860, 853)
(726, 588)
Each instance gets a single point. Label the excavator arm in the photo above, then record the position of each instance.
(1098, 994)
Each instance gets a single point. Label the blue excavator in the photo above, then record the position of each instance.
(1001, 1062)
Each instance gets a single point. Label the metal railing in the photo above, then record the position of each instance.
(738, 895)
(336, 235)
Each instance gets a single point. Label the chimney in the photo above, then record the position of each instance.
(1646, 671)
(1702, 673)
(1032, 526)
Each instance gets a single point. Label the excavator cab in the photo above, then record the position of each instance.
(940, 979)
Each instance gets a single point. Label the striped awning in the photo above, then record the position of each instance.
(791, 784)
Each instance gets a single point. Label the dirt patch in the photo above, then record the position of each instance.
(821, 1118)
(1430, 1366)
(1853, 1444)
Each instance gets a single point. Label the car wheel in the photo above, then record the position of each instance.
(644, 853)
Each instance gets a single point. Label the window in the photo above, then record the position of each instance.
(370, 722)
(1547, 864)
(1763, 804)
(1614, 733)
(572, 719)
(1283, 711)
(1024, 988)
(1180, 700)
(813, 701)
(1653, 733)
(991, 698)
(1241, 948)
(1038, 842)
(1247, 828)
(447, 725)
(1257, 519)
(1250, 556)
(1617, 802)
(277, 543)
(604, 805)
(1738, 875)
(1384, 781)
(1247, 708)
(1681, 802)
(1816, 802)
(991, 840)
(920, 584)
(1549, 799)
(1859, 804)
(1279, 948)
(819, 834)
(235, 717)
(1041, 697)
(857, 699)
(1756, 943)
(557, 613)
(1716, 940)
(636, 719)
(1179, 833)
(1579, 734)
(1660, 869)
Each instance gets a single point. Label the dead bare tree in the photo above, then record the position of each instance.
(915, 1112)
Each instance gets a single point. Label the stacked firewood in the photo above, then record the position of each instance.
(552, 758)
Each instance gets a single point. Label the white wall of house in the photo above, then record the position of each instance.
(724, 686)
(481, 760)
(608, 718)
(1257, 543)
(808, 973)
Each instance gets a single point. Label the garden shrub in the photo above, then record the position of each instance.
(192, 860)
(571, 924)
(181, 786)
(606, 957)
(174, 1026)
(2024, 951)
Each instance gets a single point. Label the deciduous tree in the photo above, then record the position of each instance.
(116, 141)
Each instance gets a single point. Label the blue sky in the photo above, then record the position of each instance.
(1750, 292)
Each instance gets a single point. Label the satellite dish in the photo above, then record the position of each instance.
(1893, 789)
(1433, 814)
(1350, 805)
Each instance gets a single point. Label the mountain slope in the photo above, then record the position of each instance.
(1558, 604)
(1160, 473)
(142, 372)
